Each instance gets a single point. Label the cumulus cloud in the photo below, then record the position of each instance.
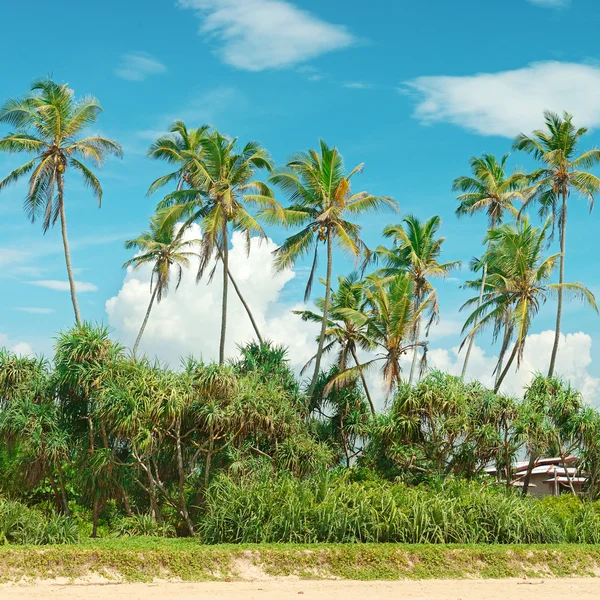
(573, 360)
(255, 35)
(508, 102)
(187, 321)
(63, 286)
(138, 66)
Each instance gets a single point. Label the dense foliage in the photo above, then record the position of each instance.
(101, 442)
(242, 450)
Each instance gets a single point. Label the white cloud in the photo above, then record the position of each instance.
(21, 348)
(266, 34)
(138, 66)
(35, 310)
(509, 102)
(63, 286)
(188, 320)
(358, 85)
(551, 3)
(573, 360)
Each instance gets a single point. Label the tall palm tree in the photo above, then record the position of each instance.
(416, 250)
(563, 172)
(489, 189)
(48, 123)
(390, 315)
(182, 148)
(222, 186)
(163, 247)
(341, 330)
(321, 202)
(518, 284)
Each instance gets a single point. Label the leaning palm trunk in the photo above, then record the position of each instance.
(506, 369)
(242, 300)
(225, 290)
(503, 350)
(472, 335)
(563, 231)
(415, 351)
(65, 239)
(325, 316)
(364, 381)
(143, 327)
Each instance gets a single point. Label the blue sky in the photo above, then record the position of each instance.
(411, 89)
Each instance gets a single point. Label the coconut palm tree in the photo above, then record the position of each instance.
(390, 315)
(563, 172)
(48, 123)
(341, 330)
(322, 203)
(518, 284)
(163, 247)
(182, 147)
(222, 187)
(416, 250)
(489, 189)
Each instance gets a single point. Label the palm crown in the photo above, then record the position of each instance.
(489, 189)
(48, 123)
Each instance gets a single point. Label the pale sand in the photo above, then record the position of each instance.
(512, 589)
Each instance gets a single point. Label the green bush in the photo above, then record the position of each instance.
(330, 509)
(141, 525)
(20, 524)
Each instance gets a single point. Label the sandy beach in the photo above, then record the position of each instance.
(513, 589)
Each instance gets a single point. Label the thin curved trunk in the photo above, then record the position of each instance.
(506, 369)
(325, 317)
(63, 490)
(415, 352)
(530, 466)
(472, 336)
(242, 300)
(563, 236)
(65, 240)
(143, 327)
(503, 349)
(364, 381)
(225, 290)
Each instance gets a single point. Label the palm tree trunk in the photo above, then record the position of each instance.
(225, 290)
(364, 381)
(65, 239)
(563, 231)
(503, 349)
(530, 466)
(472, 336)
(242, 300)
(143, 327)
(325, 316)
(415, 352)
(506, 369)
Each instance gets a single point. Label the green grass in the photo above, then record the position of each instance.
(142, 559)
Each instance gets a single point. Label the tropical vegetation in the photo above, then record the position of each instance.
(101, 440)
